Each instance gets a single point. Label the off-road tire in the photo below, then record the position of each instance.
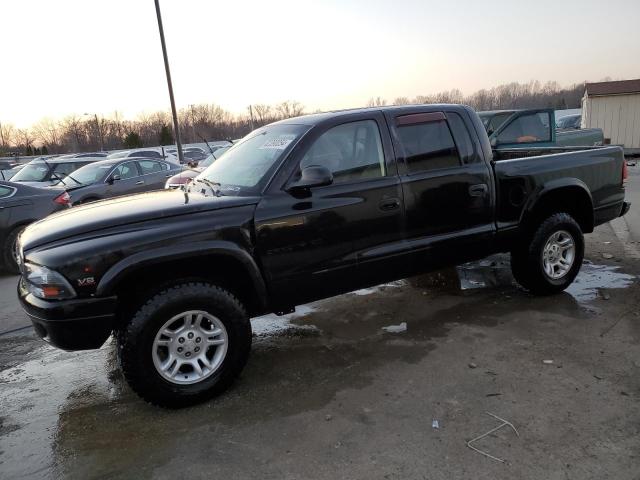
(135, 343)
(8, 260)
(526, 258)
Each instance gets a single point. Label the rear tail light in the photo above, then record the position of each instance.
(625, 172)
(63, 199)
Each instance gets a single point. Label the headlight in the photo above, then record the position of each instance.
(47, 284)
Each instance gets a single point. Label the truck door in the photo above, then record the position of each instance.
(310, 245)
(447, 186)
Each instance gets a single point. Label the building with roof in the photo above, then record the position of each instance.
(615, 108)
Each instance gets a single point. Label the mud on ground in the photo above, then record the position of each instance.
(328, 393)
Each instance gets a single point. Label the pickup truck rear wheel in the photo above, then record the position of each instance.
(185, 344)
(549, 260)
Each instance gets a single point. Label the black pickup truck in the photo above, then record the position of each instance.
(300, 210)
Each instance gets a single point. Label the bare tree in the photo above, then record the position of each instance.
(376, 102)
(288, 109)
(402, 101)
(7, 135)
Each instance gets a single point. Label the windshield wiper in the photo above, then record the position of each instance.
(212, 185)
(58, 177)
(69, 176)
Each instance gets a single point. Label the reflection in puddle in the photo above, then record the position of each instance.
(593, 277)
(274, 325)
(495, 271)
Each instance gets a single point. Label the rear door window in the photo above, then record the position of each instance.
(463, 141)
(149, 166)
(426, 142)
(126, 170)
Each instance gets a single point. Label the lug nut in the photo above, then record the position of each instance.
(181, 340)
(190, 335)
(188, 354)
(198, 340)
(180, 349)
(197, 349)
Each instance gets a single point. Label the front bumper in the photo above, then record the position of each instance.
(625, 208)
(78, 324)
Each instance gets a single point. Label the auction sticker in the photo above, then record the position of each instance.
(278, 143)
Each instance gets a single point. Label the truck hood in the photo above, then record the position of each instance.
(121, 211)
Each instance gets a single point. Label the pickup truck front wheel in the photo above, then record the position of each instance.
(549, 260)
(185, 344)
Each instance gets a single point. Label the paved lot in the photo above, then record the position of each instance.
(330, 394)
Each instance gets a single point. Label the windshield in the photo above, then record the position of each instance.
(247, 163)
(92, 173)
(32, 172)
(571, 121)
(212, 157)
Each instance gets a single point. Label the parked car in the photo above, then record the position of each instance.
(152, 153)
(300, 210)
(115, 177)
(534, 128)
(8, 173)
(41, 172)
(21, 205)
(185, 176)
(84, 155)
(569, 122)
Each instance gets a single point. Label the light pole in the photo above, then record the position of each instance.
(176, 128)
(99, 130)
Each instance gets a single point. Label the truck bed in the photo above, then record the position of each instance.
(524, 175)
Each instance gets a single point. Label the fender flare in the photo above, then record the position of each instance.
(140, 260)
(553, 186)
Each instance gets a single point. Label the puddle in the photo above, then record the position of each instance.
(378, 288)
(33, 393)
(594, 277)
(274, 325)
(491, 272)
(495, 271)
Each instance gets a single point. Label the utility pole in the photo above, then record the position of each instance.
(176, 127)
(251, 116)
(100, 133)
(193, 125)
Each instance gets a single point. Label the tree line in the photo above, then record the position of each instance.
(211, 122)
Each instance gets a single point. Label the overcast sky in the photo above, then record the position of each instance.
(75, 56)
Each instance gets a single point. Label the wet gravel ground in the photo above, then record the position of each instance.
(328, 393)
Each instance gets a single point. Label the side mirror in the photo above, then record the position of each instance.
(114, 178)
(312, 176)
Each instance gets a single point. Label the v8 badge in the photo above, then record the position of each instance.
(86, 282)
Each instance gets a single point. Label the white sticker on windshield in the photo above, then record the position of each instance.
(278, 143)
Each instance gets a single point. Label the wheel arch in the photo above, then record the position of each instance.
(221, 262)
(569, 195)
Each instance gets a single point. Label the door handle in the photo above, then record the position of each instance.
(140, 182)
(479, 190)
(389, 204)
